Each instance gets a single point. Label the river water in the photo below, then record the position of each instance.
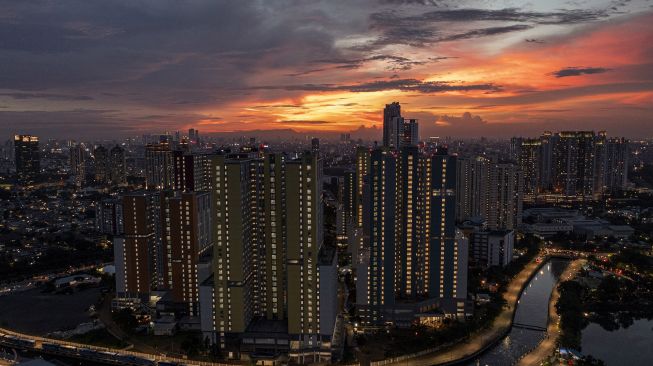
(531, 318)
(624, 346)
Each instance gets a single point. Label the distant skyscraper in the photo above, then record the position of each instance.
(472, 188)
(117, 165)
(27, 156)
(612, 163)
(159, 166)
(78, 164)
(505, 196)
(410, 131)
(573, 168)
(529, 160)
(397, 131)
(315, 145)
(490, 191)
(101, 162)
(391, 132)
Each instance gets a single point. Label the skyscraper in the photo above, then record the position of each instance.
(362, 169)
(391, 132)
(272, 277)
(472, 190)
(101, 162)
(117, 165)
(612, 163)
(529, 159)
(159, 166)
(109, 217)
(418, 259)
(489, 191)
(27, 156)
(397, 131)
(186, 242)
(78, 164)
(410, 132)
(573, 168)
(135, 252)
(504, 196)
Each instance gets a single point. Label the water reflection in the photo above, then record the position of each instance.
(624, 346)
(531, 316)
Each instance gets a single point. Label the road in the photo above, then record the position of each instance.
(484, 338)
(548, 345)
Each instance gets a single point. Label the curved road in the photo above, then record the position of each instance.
(484, 338)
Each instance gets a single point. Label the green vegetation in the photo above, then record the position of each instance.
(570, 308)
(99, 337)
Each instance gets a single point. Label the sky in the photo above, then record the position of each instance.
(105, 69)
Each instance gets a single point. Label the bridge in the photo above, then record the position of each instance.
(528, 327)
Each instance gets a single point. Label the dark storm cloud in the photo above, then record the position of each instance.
(505, 15)
(162, 51)
(577, 71)
(426, 28)
(487, 32)
(395, 63)
(49, 96)
(411, 2)
(426, 87)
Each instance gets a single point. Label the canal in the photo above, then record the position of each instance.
(530, 320)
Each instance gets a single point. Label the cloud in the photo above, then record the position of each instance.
(426, 87)
(50, 96)
(303, 122)
(577, 71)
(467, 120)
(426, 28)
(493, 31)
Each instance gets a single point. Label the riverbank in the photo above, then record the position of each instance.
(484, 339)
(548, 345)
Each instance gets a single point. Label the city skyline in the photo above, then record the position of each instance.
(463, 69)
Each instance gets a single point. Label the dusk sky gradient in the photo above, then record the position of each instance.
(99, 69)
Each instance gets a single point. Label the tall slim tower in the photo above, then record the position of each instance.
(391, 130)
(362, 169)
(78, 164)
(101, 162)
(117, 165)
(27, 156)
(529, 159)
